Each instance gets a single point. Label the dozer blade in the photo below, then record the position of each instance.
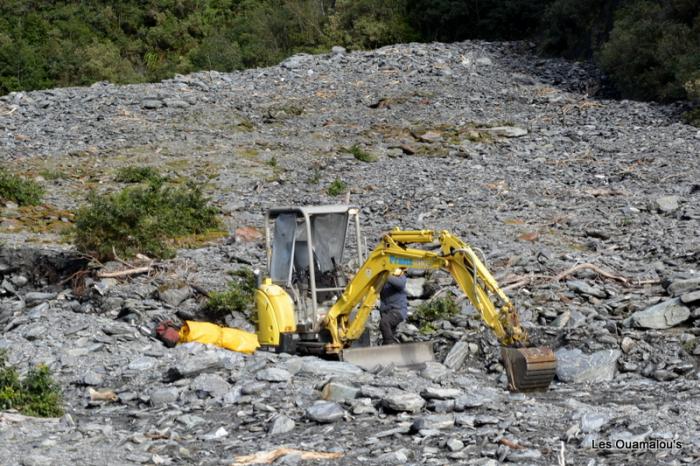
(529, 369)
(410, 355)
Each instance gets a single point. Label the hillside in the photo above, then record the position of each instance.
(505, 149)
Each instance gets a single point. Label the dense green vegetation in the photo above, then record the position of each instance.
(35, 395)
(650, 48)
(19, 190)
(146, 218)
(137, 174)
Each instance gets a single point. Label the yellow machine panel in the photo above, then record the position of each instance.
(275, 313)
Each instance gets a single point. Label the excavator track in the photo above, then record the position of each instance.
(529, 369)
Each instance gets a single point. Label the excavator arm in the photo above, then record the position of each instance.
(527, 368)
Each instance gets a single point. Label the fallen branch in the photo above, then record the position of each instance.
(510, 444)
(119, 259)
(267, 457)
(124, 273)
(592, 267)
(10, 112)
(106, 395)
(525, 281)
(651, 281)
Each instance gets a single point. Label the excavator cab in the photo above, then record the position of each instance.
(312, 252)
(306, 252)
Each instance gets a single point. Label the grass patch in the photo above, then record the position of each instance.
(337, 187)
(690, 345)
(137, 175)
(279, 112)
(52, 175)
(315, 177)
(272, 162)
(35, 395)
(360, 154)
(39, 219)
(428, 313)
(198, 240)
(238, 297)
(19, 190)
(143, 219)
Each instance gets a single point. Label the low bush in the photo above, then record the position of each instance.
(360, 154)
(238, 297)
(146, 218)
(337, 187)
(35, 395)
(442, 308)
(19, 190)
(137, 175)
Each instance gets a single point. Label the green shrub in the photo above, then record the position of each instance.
(650, 54)
(51, 175)
(360, 154)
(574, 28)
(337, 187)
(692, 117)
(19, 190)
(367, 24)
(426, 314)
(36, 395)
(238, 297)
(142, 219)
(137, 175)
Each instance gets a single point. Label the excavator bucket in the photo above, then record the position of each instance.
(410, 355)
(529, 369)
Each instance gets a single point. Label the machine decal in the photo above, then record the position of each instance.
(400, 261)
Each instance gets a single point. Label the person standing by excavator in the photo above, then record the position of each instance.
(394, 305)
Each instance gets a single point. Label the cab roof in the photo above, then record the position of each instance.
(311, 210)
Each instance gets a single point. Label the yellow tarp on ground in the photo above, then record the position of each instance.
(212, 334)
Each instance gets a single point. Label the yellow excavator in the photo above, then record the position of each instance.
(306, 305)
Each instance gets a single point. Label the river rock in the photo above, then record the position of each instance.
(281, 425)
(339, 392)
(666, 204)
(458, 353)
(666, 314)
(403, 401)
(273, 374)
(680, 287)
(325, 412)
(576, 366)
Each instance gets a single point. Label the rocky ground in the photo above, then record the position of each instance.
(513, 153)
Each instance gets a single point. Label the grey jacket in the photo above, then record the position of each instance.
(394, 296)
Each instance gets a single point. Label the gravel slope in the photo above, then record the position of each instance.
(507, 150)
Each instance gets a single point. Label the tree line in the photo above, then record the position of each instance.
(650, 49)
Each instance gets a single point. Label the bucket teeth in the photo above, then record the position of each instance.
(529, 369)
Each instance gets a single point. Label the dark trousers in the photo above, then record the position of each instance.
(387, 325)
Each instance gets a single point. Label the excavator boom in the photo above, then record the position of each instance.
(527, 368)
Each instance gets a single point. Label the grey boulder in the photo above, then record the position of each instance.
(325, 412)
(666, 314)
(576, 366)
